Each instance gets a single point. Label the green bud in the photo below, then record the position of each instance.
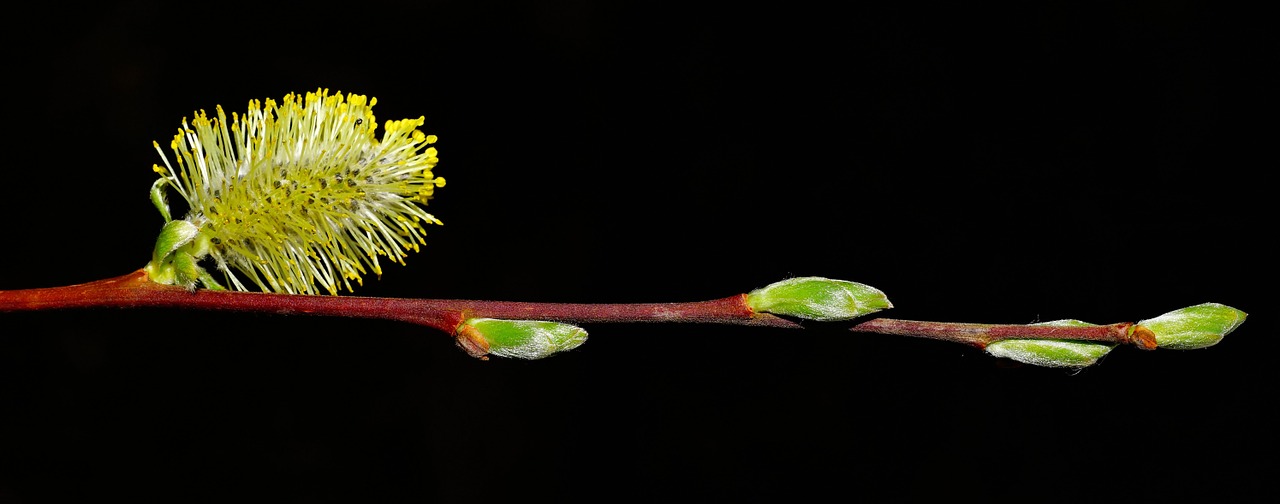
(816, 298)
(1198, 326)
(1052, 353)
(519, 339)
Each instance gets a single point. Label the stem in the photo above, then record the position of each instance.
(135, 290)
(981, 335)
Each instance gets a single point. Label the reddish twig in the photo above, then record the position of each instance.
(981, 335)
(134, 290)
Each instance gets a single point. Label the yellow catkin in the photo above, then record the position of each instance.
(304, 195)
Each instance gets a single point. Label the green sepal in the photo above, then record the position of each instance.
(817, 298)
(1198, 326)
(174, 235)
(520, 339)
(1050, 352)
(186, 271)
(209, 282)
(158, 198)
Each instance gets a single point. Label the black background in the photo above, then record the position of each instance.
(996, 163)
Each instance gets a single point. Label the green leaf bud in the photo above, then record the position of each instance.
(519, 339)
(1198, 326)
(817, 298)
(1050, 352)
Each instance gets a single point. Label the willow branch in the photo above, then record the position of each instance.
(981, 335)
(135, 290)
(536, 330)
